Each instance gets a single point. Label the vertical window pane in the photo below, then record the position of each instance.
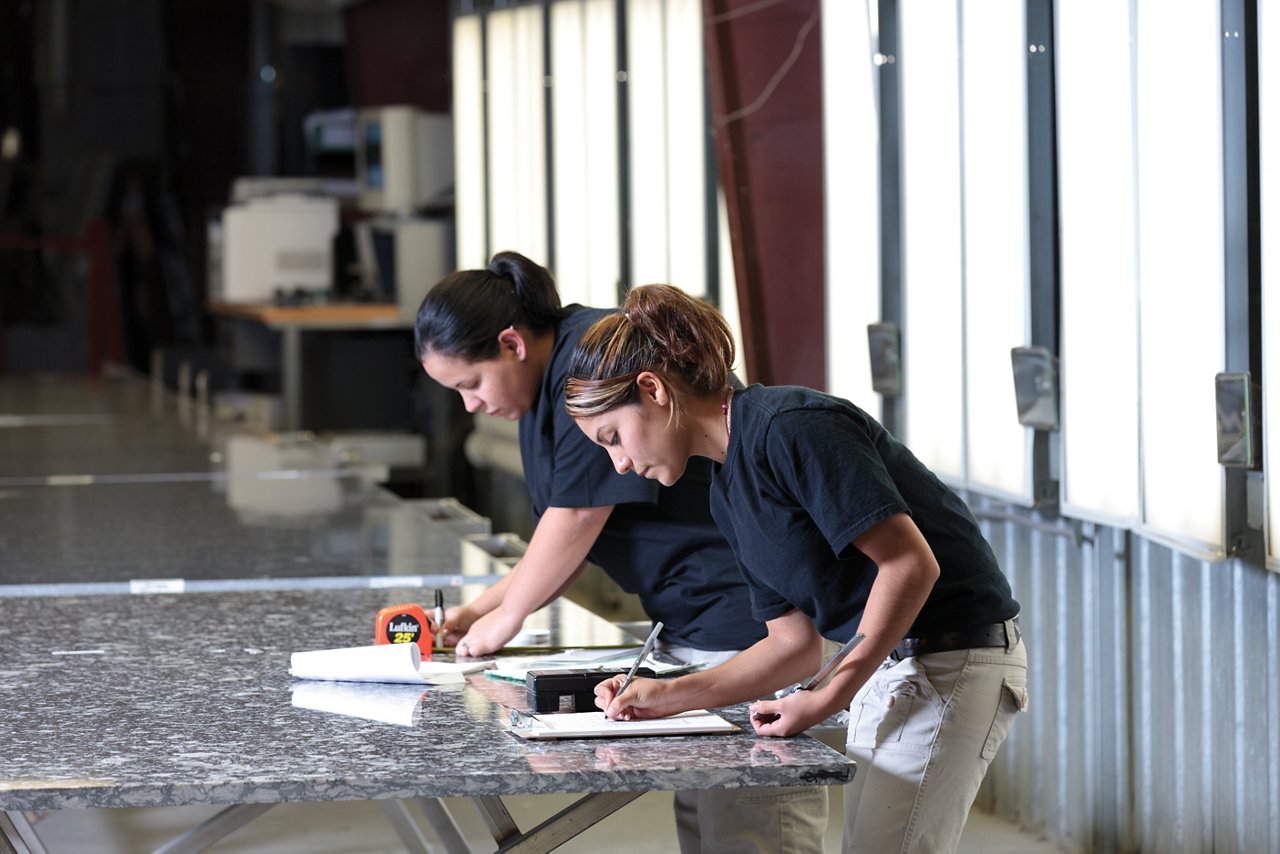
(468, 129)
(1099, 300)
(852, 194)
(686, 143)
(584, 131)
(933, 381)
(1180, 267)
(568, 136)
(667, 122)
(517, 133)
(647, 146)
(602, 236)
(996, 242)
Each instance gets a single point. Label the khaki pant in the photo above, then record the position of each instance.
(786, 820)
(772, 820)
(923, 732)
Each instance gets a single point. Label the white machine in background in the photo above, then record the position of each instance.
(272, 242)
(404, 159)
(409, 255)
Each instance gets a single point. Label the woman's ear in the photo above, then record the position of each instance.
(512, 341)
(653, 388)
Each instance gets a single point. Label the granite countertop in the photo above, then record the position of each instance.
(155, 700)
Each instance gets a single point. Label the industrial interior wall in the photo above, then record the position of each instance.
(764, 73)
(1154, 716)
(398, 52)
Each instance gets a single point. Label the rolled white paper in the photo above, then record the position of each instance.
(392, 662)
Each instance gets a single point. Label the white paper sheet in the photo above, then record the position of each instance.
(393, 662)
(596, 725)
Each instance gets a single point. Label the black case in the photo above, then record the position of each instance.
(545, 688)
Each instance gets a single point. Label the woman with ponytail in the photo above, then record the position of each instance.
(501, 339)
(839, 531)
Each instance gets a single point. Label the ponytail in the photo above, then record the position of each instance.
(463, 313)
(660, 329)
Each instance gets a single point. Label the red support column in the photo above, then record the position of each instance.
(764, 67)
(106, 338)
(102, 305)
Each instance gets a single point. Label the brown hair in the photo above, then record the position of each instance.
(661, 329)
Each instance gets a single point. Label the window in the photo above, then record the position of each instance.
(852, 195)
(1180, 269)
(1098, 252)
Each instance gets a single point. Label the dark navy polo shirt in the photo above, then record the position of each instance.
(659, 542)
(805, 475)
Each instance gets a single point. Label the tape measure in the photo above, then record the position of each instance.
(403, 624)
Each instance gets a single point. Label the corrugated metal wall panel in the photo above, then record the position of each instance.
(1154, 679)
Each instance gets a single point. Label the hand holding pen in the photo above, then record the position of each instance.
(610, 704)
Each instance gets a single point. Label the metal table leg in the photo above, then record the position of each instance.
(555, 831)
(406, 828)
(494, 813)
(211, 830)
(291, 375)
(442, 823)
(17, 836)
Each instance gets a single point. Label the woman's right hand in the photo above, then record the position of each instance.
(457, 622)
(644, 698)
(488, 633)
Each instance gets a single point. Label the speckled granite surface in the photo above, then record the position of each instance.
(158, 700)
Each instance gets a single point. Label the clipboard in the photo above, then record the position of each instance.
(559, 725)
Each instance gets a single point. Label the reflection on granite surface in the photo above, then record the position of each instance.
(81, 430)
(125, 532)
(161, 700)
(390, 704)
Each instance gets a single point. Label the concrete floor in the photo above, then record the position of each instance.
(643, 827)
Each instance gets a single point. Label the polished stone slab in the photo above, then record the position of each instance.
(79, 395)
(155, 700)
(297, 528)
(80, 431)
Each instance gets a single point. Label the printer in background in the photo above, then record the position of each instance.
(384, 235)
(272, 244)
(404, 175)
(410, 254)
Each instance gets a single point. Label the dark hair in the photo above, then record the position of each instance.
(463, 313)
(660, 329)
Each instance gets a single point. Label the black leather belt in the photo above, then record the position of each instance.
(1006, 634)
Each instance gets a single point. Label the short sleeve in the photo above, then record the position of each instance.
(829, 465)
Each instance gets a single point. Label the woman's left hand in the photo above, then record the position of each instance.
(790, 715)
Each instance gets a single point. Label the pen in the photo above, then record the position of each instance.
(644, 650)
(439, 615)
(832, 663)
(816, 679)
